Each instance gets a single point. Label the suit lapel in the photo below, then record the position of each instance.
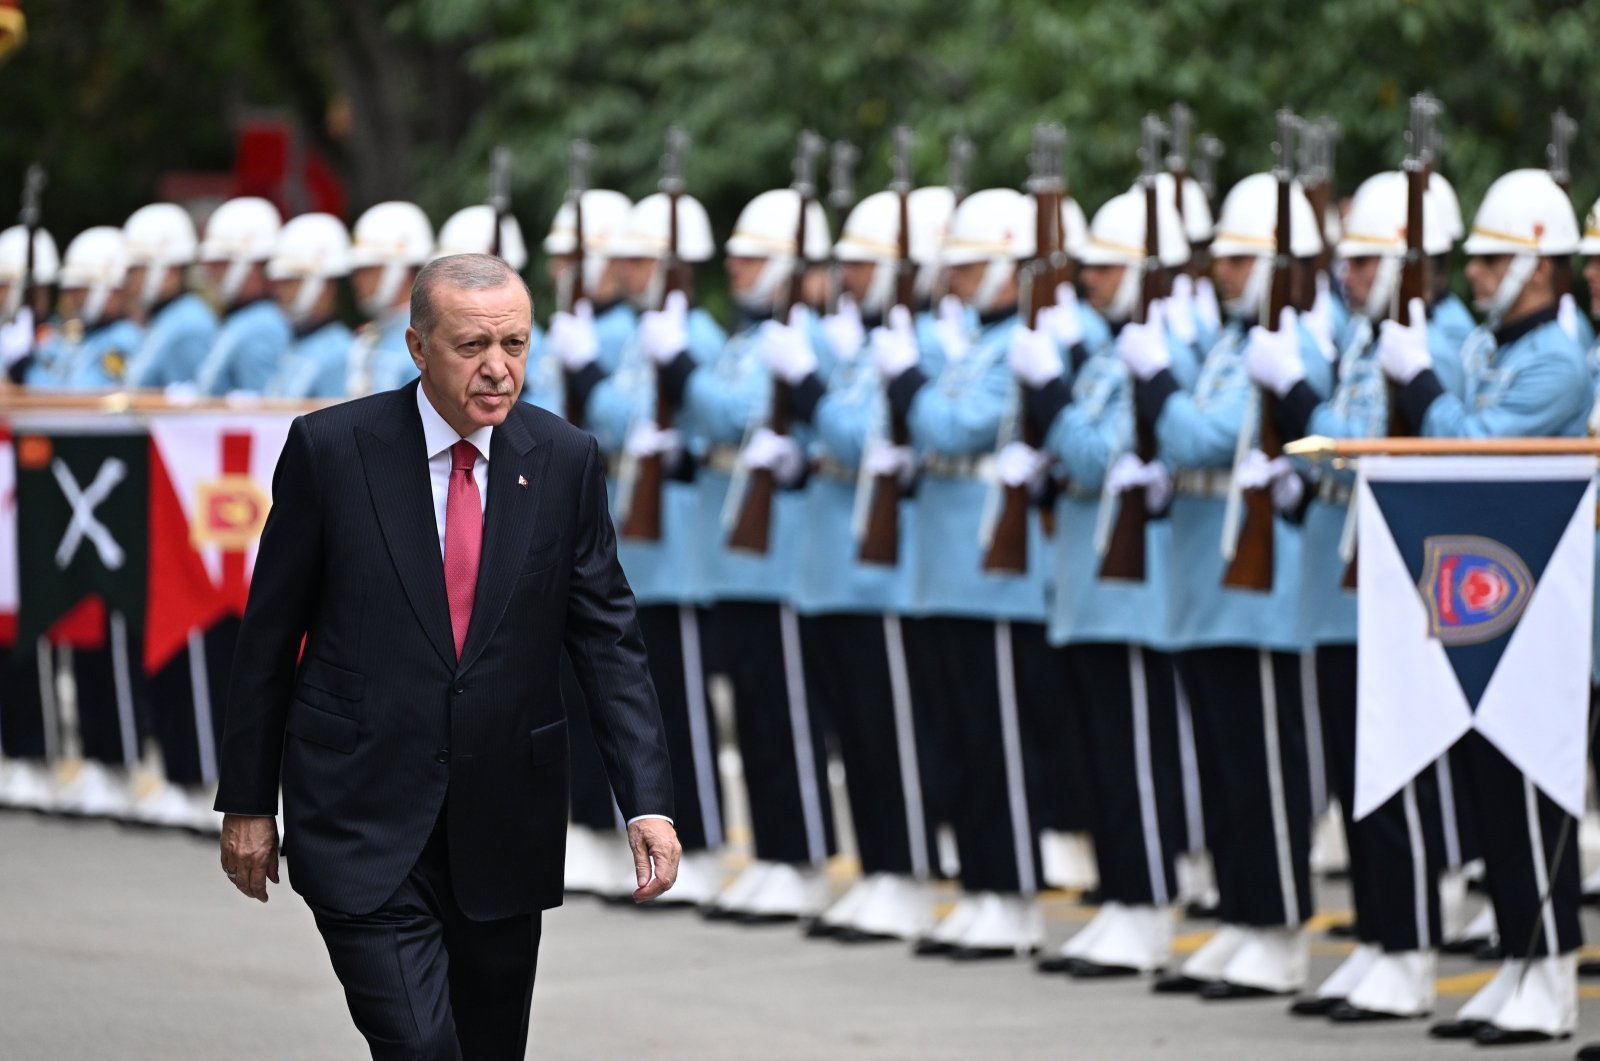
(395, 459)
(511, 511)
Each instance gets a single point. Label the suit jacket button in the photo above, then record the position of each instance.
(460, 688)
(442, 755)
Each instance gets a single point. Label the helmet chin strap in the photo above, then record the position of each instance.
(655, 292)
(13, 302)
(233, 280)
(1516, 277)
(305, 299)
(1380, 301)
(761, 296)
(995, 276)
(1250, 301)
(594, 270)
(389, 282)
(1126, 297)
(155, 275)
(880, 289)
(94, 305)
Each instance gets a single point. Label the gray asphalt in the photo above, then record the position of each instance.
(124, 944)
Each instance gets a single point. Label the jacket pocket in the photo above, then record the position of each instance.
(336, 681)
(548, 743)
(323, 727)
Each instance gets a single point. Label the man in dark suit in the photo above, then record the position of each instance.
(434, 548)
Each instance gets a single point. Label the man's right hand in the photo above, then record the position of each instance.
(250, 853)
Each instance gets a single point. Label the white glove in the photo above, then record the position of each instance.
(951, 328)
(786, 348)
(1273, 358)
(1319, 319)
(1207, 310)
(845, 332)
(647, 440)
(885, 458)
(894, 347)
(664, 332)
(1019, 464)
(16, 338)
(1062, 320)
(184, 393)
(572, 337)
(1181, 310)
(1402, 349)
(779, 454)
(1130, 473)
(1567, 317)
(1143, 347)
(1278, 475)
(1033, 356)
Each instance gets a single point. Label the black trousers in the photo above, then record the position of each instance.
(1249, 722)
(780, 741)
(24, 732)
(187, 699)
(1520, 830)
(672, 639)
(592, 803)
(113, 694)
(992, 681)
(1396, 852)
(858, 669)
(1130, 726)
(426, 983)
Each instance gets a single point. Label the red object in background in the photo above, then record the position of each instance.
(271, 160)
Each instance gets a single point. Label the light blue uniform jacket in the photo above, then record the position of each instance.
(251, 342)
(95, 362)
(315, 366)
(176, 341)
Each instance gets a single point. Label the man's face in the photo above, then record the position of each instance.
(1359, 274)
(1232, 275)
(743, 273)
(284, 291)
(964, 280)
(364, 282)
(557, 266)
(473, 358)
(856, 278)
(1591, 276)
(1100, 283)
(1484, 273)
(634, 275)
(69, 303)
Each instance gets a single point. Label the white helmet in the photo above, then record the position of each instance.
(14, 263)
(1376, 227)
(1589, 243)
(312, 248)
(995, 226)
(396, 236)
(872, 234)
(240, 232)
(1074, 227)
(1197, 220)
(646, 233)
(470, 230)
(1248, 227)
(766, 230)
(1524, 214)
(159, 236)
(96, 261)
(1117, 238)
(1449, 207)
(605, 215)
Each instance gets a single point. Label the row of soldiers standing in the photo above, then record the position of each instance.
(1182, 724)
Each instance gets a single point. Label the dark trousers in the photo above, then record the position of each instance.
(187, 699)
(1130, 725)
(857, 667)
(1249, 721)
(780, 741)
(592, 803)
(113, 694)
(672, 636)
(1396, 851)
(426, 983)
(23, 732)
(1520, 830)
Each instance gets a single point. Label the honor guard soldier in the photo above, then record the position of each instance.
(757, 640)
(665, 572)
(1237, 652)
(1391, 973)
(179, 327)
(239, 238)
(1525, 377)
(22, 312)
(91, 352)
(1111, 633)
(391, 241)
(313, 253)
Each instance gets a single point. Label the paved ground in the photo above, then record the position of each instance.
(119, 944)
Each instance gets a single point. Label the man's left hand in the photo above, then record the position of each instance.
(655, 857)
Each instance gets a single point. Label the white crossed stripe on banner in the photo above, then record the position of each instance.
(84, 522)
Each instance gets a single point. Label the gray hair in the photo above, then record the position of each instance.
(469, 272)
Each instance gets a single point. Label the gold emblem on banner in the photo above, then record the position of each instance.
(230, 513)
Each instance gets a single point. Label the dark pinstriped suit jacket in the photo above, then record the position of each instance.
(378, 721)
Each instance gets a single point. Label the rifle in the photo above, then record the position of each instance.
(1180, 124)
(499, 193)
(880, 541)
(1007, 551)
(1563, 130)
(752, 531)
(958, 166)
(1208, 149)
(570, 288)
(841, 196)
(1316, 169)
(32, 192)
(1249, 553)
(643, 522)
(1125, 551)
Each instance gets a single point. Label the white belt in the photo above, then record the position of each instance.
(1210, 482)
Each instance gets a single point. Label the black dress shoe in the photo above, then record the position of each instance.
(1345, 930)
(981, 954)
(1490, 952)
(1091, 897)
(1457, 1029)
(1222, 991)
(856, 935)
(1179, 985)
(1345, 1013)
(1056, 963)
(1314, 1007)
(764, 919)
(1084, 969)
(1201, 911)
(1466, 947)
(718, 913)
(1588, 970)
(1491, 1035)
(820, 929)
(1590, 1052)
(931, 948)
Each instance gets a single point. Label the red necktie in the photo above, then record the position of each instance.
(463, 539)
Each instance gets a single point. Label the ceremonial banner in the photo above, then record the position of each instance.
(1476, 611)
(82, 530)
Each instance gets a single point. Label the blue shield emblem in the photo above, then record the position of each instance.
(1475, 588)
